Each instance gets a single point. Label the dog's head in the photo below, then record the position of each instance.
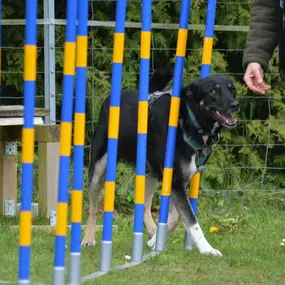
(213, 99)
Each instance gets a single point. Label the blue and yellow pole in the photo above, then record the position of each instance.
(65, 143)
(194, 191)
(113, 133)
(162, 229)
(208, 39)
(0, 51)
(79, 139)
(205, 71)
(137, 250)
(28, 141)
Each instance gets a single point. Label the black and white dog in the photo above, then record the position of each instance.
(206, 108)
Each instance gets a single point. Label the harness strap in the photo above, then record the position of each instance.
(194, 120)
(156, 95)
(202, 152)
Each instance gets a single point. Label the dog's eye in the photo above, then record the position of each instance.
(216, 89)
(232, 89)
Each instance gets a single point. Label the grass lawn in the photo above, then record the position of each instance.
(249, 239)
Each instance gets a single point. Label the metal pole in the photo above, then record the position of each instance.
(162, 229)
(49, 60)
(137, 250)
(113, 133)
(0, 51)
(28, 141)
(79, 140)
(193, 198)
(65, 143)
(205, 71)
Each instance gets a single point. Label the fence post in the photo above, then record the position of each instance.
(49, 60)
(47, 204)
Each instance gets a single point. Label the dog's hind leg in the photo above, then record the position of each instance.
(189, 220)
(151, 184)
(173, 220)
(173, 217)
(96, 175)
(95, 189)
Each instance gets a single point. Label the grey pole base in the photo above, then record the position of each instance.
(137, 251)
(58, 276)
(161, 238)
(23, 282)
(188, 245)
(74, 268)
(105, 256)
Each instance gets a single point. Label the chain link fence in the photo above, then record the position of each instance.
(49, 80)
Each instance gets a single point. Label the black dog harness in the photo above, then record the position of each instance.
(202, 151)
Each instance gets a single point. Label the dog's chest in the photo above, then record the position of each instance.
(188, 168)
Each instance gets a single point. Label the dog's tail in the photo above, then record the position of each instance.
(160, 79)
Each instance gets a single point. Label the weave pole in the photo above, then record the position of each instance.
(0, 51)
(137, 247)
(205, 71)
(113, 133)
(162, 229)
(79, 141)
(28, 141)
(65, 143)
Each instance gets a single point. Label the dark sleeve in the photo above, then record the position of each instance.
(263, 34)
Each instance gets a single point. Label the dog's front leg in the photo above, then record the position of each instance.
(189, 220)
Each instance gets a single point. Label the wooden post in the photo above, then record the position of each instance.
(48, 177)
(8, 180)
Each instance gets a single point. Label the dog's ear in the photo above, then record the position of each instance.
(191, 90)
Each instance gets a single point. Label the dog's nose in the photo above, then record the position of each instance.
(234, 106)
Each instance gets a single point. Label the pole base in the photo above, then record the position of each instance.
(58, 276)
(74, 268)
(161, 238)
(188, 245)
(105, 256)
(137, 252)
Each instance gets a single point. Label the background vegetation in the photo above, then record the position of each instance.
(238, 163)
(249, 218)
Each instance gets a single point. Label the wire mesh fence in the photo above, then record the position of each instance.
(249, 158)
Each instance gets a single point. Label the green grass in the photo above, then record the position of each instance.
(249, 239)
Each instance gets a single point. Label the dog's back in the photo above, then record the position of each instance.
(128, 120)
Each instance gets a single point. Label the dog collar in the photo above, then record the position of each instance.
(202, 151)
(194, 120)
(214, 137)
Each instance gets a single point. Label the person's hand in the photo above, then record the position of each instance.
(254, 78)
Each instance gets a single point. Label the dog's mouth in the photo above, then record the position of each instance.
(226, 120)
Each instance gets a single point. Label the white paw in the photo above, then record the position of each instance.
(211, 251)
(151, 242)
(201, 243)
(205, 248)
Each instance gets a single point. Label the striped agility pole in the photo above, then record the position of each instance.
(208, 39)
(0, 51)
(65, 143)
(113, 133)
(28, 141)
(79, 139)
(137, 248)
(205, 71)
(162, 229)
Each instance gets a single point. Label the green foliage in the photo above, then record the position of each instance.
(258, 117)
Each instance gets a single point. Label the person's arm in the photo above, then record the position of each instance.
(263, 35)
